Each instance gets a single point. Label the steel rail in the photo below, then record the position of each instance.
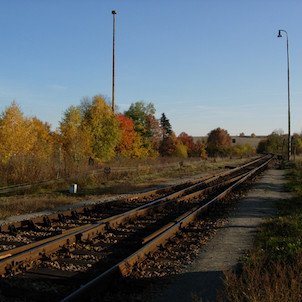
(24, 223)
(117, 219)
(22, 257)
(12, 227)
(81, 210)
(13, 258)
(160, 239)
(144, 251)
(110, 222)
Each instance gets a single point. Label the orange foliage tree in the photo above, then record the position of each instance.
(146, 126)
(187, 141)
(169, 145)
(155, 130)
(199, 150)
(219, 143)
(127, 137)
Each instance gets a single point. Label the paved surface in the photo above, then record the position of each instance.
(204, 277)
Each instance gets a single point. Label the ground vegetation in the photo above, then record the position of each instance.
(272, 269)
(126, 175)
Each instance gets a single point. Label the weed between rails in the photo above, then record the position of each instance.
(272, 270)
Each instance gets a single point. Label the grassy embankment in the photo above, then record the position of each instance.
(272, 271)
(98, 185)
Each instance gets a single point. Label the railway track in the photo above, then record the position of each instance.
(62, 257)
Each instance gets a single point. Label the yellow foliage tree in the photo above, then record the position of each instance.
(25, 147)
(15, 130)
(75, 139)
(102, 126)
(181, 151)
(140, 150)
(42, 143)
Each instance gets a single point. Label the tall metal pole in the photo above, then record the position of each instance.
(288, 94)
(113, 64)
(60, 163)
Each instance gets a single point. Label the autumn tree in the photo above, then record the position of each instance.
(155, 129)
(75, 139)
(25, 146)
(15, 130)
(169, 145)
(219, 143)
(42, 139)
(187, 141)
(132, 143)
(138, 112)
(140, 150)
(146, 124)
(199, 150)
(181, 150)
(275, 143)
(297, 144)
(102, 127)
(128, 135)
(243, 150)
(262, 146)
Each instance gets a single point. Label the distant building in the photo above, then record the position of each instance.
(237, 140)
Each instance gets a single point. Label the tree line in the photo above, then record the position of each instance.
(91, 133)
(277, 142)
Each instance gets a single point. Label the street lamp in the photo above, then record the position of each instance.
(288, 93)
(113, 106)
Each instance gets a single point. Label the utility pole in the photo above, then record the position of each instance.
(113, 59)
(288, 95)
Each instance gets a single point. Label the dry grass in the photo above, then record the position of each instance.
(18, 205)
(98, 185)
(262, 280)
(273, 269)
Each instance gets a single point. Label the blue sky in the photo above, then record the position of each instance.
(204, 63)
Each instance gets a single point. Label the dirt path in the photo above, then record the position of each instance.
(203, 277)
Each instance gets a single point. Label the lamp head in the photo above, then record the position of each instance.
(114, 12)
(279, 34)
